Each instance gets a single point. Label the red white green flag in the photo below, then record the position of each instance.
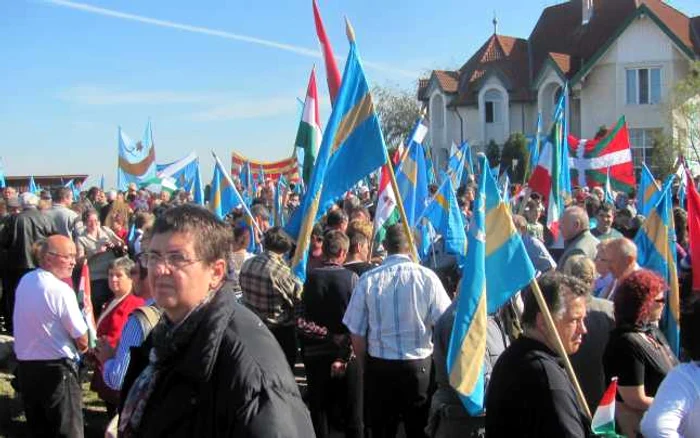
(603, 423)
(591, 159)
(309, 132)
(387, 212)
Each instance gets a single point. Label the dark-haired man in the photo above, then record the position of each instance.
(209, 368)
(271, 290)
(390, 317)
(606, 218)
(64, 219)
(530, 394)
(332, 374)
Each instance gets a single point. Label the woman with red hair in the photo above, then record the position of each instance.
(637, 352)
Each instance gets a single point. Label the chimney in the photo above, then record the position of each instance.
(586, 11)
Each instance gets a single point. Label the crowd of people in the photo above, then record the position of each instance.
(200, 324)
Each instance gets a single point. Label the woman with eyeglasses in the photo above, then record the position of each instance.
(111, 323)
(637, 352)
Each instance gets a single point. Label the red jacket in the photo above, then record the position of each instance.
(112, 323)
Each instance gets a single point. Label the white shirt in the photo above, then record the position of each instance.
(395, 306)
(47, 318)
(675, 411)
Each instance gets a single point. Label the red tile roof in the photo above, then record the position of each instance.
(560, 36)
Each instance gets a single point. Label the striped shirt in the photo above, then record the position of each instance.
(395, 306)
(114, 369)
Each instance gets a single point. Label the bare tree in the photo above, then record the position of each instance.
(398, 110)
(685, 113)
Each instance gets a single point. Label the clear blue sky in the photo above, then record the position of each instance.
(72, 72)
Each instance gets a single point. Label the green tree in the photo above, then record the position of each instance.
(666, 151)
(515, 148)
(493, 153)
(397, 110)
(684, 112)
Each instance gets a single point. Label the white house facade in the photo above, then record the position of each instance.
(620, 57)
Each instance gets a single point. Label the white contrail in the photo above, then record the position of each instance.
(213, 32)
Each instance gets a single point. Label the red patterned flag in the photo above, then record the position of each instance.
(287, 167)
(591, 159)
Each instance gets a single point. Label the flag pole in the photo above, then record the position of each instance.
(230, 181)
(559, 346)
(402, 211)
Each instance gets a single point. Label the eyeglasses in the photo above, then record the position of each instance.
(173, 260)
(64, 257)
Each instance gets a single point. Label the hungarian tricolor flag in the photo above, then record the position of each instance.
(603, 423)
(85, 304)
(309, 133)
(332, 73)
(387, 212)
(591, 159)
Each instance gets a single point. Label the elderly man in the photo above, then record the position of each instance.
(606, 218)
(17, 238)
(621, 257)
(209, 368)
(575, 230)
(272, 292)
(530, 394)
(64, 219)
(539, 255)
(50, 332)
(390, 317)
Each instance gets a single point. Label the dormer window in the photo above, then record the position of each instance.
(493, 106)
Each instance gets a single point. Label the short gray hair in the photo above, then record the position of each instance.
(28, 199)
(123, 263)
(554, 286)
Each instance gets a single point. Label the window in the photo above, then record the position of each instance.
(642, 142)
(643, 86)
(493, 102)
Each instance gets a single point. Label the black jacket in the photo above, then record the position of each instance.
(232, 380)
(21, 231)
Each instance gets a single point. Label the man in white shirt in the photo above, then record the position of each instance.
(390, 316)
(50, 332)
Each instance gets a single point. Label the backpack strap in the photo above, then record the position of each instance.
(148, 317)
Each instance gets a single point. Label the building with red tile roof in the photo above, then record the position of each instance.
(618, 56)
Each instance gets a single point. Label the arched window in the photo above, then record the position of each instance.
(493, 106)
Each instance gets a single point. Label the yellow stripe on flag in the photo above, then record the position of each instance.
(467, 369)
(442, 201)
(358, 114)
(500, 228)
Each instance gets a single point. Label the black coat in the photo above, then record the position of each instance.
(232, 380)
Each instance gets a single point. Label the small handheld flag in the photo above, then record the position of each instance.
(603, 423)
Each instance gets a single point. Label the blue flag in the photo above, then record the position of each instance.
(445, 216)
(497, 266)
(185, 172)
(656, 246)
(223, 196)
(33, 188)
(352, 147)
(535, 143)
(649, 192)
(608, 189)
(562, 142)
(412, 180)
(280, 188)
(3, 184)
(137, 160)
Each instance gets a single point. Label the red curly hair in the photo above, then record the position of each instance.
(635, 296)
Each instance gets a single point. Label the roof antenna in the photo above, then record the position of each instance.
(495, 23)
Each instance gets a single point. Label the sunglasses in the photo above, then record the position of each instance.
(660, 300)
